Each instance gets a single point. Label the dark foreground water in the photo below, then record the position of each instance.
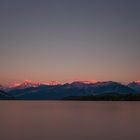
(51, 120)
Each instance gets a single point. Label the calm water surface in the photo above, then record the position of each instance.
(52, 120)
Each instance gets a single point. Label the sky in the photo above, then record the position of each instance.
(66, 40)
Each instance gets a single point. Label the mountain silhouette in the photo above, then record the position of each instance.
(5, 96)
(135, 86)
(58, 92)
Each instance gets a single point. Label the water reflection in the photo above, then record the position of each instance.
(51, 120)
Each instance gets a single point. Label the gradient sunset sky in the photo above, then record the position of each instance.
(65, 40)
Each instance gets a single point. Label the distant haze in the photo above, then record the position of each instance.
(66, 40)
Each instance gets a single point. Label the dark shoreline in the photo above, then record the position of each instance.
(131, 97)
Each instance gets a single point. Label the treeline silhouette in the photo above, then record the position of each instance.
(114, 97)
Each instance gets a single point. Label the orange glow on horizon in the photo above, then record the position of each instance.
(29, 82)
(15, 85)
(88, 81)
(138, 81)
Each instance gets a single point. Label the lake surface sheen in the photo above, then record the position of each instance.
(72, 120)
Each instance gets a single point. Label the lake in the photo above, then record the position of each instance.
(69, 120)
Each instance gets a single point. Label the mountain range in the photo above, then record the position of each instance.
(56, 91)
(135, 86)
(5, 96)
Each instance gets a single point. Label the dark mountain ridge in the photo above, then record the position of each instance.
(5, 96)
(75, 89)
(135, 86)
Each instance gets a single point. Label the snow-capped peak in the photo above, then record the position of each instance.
(29, 83)
(25, 84)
